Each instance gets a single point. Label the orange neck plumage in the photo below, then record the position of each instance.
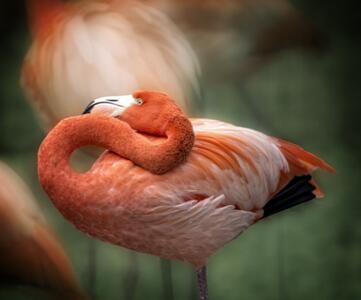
(72, 133)
(43, 15)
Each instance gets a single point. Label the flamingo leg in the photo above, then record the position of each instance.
(202, 283)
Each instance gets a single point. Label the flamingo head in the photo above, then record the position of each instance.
(144, 111)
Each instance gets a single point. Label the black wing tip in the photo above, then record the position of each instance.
(299, 190)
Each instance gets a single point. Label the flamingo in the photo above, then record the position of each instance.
(82, 50)
(167, 185)
(30, 253)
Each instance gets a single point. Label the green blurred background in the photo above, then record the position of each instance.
(311, 98)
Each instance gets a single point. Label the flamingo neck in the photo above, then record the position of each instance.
(62, 183)
(161, 157)
(43, 15)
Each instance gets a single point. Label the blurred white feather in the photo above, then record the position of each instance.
(107, 47)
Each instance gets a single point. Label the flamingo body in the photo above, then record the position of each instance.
(186, 213)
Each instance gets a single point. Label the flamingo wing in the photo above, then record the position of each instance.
(245, 163)
(258, 159)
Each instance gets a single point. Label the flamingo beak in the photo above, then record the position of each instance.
(111, 105)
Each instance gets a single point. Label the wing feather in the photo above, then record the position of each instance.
(246, 163)
(201, 227)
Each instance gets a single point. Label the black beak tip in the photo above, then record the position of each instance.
(89, 108)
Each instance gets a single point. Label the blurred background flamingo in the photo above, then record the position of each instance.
(31, 256)
(92, 48)
(83, 50)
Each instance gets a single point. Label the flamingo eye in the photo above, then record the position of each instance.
(139, 101)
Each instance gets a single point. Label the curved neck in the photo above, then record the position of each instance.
(42, 14)
(56, 175)
(63, 185)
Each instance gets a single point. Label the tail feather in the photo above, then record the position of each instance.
(297, 191)
(302, 159)
(301, 162)
(296, 185)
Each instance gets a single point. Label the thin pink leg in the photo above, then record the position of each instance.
(202, 283)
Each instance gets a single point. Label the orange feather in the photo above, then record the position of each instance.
(301, 162)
